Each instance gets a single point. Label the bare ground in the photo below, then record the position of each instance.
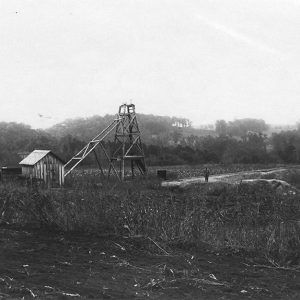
(43, 265)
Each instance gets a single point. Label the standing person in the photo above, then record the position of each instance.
(206, 174)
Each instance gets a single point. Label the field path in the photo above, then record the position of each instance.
(228, 177)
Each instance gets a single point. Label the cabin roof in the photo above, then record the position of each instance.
(35, 156)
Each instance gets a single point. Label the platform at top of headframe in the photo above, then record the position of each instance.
(126, 109)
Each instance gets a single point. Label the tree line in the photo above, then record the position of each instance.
(166, 141)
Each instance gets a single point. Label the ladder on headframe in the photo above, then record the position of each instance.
(127, 145)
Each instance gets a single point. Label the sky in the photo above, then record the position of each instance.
(203, 60)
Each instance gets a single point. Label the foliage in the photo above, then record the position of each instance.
(240, 141)
(286, 145)
(239, 217)
(294, 178)
(156, 129)
(15, 138)
(240, 127)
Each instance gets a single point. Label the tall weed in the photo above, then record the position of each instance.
(254, 218)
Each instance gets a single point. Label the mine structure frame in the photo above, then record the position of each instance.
(127, 146)
(127, 143)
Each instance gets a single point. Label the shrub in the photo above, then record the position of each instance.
(239, 217)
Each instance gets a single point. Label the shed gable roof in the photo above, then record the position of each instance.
(35, 156)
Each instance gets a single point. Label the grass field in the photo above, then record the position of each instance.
(255, 221)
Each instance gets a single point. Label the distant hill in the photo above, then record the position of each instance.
(155, 129)
(168, 140)
(17, 137)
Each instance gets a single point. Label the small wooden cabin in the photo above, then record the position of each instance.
(44, 165)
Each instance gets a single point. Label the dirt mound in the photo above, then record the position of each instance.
(276, 184)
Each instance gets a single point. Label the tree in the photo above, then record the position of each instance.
(241, 127)
(286, 145)
(221, 127)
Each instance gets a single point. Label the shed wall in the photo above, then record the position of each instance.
(49, 169)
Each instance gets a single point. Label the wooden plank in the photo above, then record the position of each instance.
(40, 170)
(60, 174)
(42, 161)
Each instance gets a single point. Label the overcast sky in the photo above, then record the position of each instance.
(204, 60)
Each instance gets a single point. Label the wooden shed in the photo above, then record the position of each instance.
(44, 165)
